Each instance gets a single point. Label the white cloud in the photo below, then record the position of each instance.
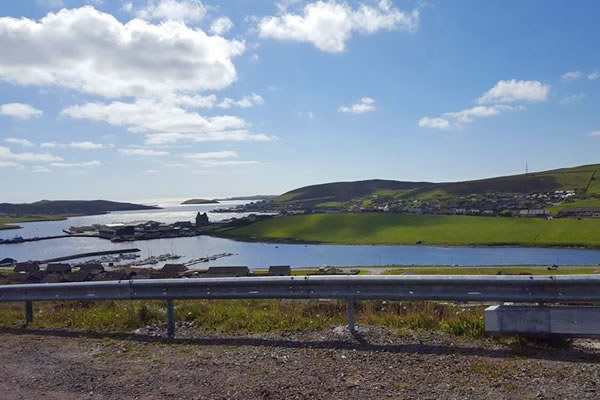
(18, 110)
(456, 120)
(86, 145)
(210, 155)
(40, 169)
(328, 25)
(92, 52)
(254, 58)
(437, 123)
(84, 164)
(572, 99)
(7, 154)
(180, 10)
(149, 115)
(594, 75)
(166, 123)
(220, 26)
(143, 152)
(10, 164)
(20, 141)
(572, 75)
(365, 104)
(478, 112)
(74, 145)
(246, 101)
(514, 90)
(240, 135)
(151, 171)
(223, 163)
(594, 133)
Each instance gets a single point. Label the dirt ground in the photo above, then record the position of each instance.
(309, 365)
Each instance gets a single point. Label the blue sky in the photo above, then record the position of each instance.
(147, 99)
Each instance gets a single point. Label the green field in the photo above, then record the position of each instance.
(36, 218)
(492, 271)
(585, 203)
(429, 230)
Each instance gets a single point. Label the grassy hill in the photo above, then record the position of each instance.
(385, 228)
(68, 207)
(583, 179)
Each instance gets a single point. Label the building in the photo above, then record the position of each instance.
(201, 220)
(115, 230)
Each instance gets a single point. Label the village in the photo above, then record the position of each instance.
(535, 204)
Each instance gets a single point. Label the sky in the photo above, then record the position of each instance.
(143, 99)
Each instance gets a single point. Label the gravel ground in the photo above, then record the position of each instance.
(309, 365)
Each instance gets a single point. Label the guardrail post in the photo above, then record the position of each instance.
(170, 318)
(28, 312)
(351, 326)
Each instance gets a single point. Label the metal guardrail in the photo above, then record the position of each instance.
(519, 289)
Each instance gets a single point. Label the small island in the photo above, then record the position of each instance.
(200, 201)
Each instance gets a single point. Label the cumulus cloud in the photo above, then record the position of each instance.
(515, 90)
(90, 51)
(365, 104)
(19, 141)
(179, 10)
(7, 154)
(572, 75)
(143, 152)
(594, 133)
(503, 92)
(329, 24)
(592, 76)
(221, 26)
(19, 110)
(165, 122)
(83, 164)
(437, 123)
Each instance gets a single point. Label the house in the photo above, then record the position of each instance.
(113, 231)
(280, 270)
(29, 267)
(58, 268)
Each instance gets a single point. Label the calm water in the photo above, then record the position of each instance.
(262, 254)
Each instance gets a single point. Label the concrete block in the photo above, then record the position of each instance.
(571, 321)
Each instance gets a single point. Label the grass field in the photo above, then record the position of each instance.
(429, 230)
(492, 271)
(249, 316)
(36, 218)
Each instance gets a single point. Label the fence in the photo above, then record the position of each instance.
(518, 289)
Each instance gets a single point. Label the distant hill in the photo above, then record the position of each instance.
(55, 207)
(584, 179)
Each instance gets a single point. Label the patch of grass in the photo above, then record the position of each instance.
(392, 193)
(33, 218)
(585, 203)
(249, 316)
(388, 228)
(286, 197)
(330, 204)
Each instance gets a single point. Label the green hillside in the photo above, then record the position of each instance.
(384, 228)
(583, 179)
